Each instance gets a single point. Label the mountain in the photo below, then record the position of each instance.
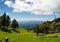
(29, 24)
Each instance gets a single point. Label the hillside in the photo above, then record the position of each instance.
(46, 30)
(30, 24)
(25, 36)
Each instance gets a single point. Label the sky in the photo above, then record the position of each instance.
(26, 10)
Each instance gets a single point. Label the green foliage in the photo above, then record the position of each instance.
(14, 24)
(57, 27)
(37, 29)
(52, 27)
(3, 22)
(42, 28)
(48, 27)
(7, 20)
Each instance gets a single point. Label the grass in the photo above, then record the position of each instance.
(24, 36)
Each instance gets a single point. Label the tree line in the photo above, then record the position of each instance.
(48, 27)
(5, 22)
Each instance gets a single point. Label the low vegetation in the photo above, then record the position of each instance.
(24, 36)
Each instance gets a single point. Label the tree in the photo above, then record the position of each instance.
(57, 27)
(14, 24)
(7, 21)
(3, 22)
(42, 28)
(0, 21)
(37, 29)
(52, 27)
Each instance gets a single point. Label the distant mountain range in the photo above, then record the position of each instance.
(29, 24)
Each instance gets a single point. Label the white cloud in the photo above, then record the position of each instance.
(9, 3)
(38, 7)
(7, 13)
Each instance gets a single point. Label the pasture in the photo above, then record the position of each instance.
(21, 35)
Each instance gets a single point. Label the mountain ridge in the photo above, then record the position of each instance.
(29, 24)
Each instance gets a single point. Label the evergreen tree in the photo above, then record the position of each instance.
(14, 24)
(0, 21)
(36, 29)
(3, 22)
(7, 21)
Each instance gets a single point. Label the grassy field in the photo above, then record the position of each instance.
(21, 35)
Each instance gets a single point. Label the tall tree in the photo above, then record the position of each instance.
(3, 22)
(36, 29)
(0, 20)
(7, 21)
(14, 24)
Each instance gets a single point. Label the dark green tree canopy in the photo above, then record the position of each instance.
(48, 26)
(4, 21)
(14, 24)
(7, 20)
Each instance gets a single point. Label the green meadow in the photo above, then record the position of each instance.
(22, 35)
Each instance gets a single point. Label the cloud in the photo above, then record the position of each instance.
(37, 7)
(9, 3)
(7, 13)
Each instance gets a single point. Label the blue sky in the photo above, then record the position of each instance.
(25, 10)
